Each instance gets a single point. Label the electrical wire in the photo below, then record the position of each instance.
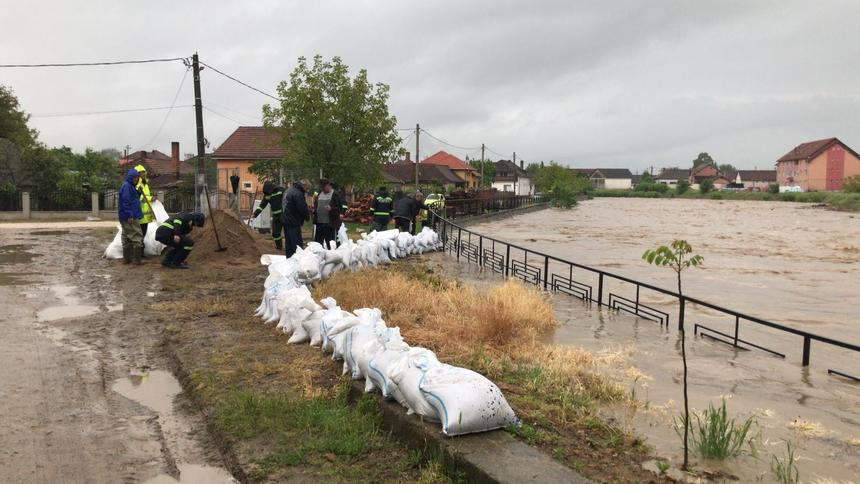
(229, 109)
(223, 115)
(89, 64)
(89, 113)
(169, 111)
(493, 152)
(228, 76)
(447, 143)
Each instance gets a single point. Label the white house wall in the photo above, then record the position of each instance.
(618, 183)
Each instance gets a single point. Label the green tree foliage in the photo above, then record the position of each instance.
(706, 185)
(682, 187)
(489, 171)
(678, 257)
(773, 188)
(704, 159)
(329, 121)
(562, 185)
(851, 184)
(726, 168)
(13, 121)
(533, 168)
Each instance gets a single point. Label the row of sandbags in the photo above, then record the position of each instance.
(151, 247)
(462, 400)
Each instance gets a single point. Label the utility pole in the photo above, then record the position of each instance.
(516, 180)
(201, 142)
(127, 147)
(482, 165)
(417, 153)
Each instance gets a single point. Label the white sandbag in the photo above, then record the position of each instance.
(267, 259)
(313, 328)
(380, 365)
(408, 392)
(466, 401)
(342, 237)
(360, 340)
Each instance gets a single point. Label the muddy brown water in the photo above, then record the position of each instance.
(784, 262)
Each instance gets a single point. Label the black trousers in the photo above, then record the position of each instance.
(178, 250)
(277, 230)
(293, 235)
(402, 224)
(143, 228)
(380, 223)
(324, 235)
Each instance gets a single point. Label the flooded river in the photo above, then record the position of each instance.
(787, 263)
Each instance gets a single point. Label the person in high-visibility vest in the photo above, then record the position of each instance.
(273, 195)
(381, 207)
(173, 232)
(146, 199)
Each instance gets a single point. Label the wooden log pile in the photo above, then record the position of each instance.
(359, 210)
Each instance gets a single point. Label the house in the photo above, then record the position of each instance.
(403, 173)
(611, 178)
(512, 178)
(247, 145)
(460, 168)
(706, 172)
(671, 176)
(817, 165)
(163, 171)
(757, 180)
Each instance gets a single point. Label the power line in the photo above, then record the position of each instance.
(228, 76)
(256, 118)
(223, 115)
(449, 144)
(87, 64)
(494, 152)
(169, 111)
(89, 113)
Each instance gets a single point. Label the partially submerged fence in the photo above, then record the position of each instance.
(470, 207)
(592, 285)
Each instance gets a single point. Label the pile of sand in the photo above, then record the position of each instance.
(244, 245)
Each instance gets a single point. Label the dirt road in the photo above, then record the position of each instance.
(84, 394)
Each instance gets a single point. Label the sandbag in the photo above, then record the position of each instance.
(380, 365)
(466, 401)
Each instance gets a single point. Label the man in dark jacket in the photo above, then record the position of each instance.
(173, 233)
(130, 215)
(295, 214)
(406, 212)
(327, 207)
(381, 208)
(273, 195)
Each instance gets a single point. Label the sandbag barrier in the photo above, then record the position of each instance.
(151, 247)
(461, 400)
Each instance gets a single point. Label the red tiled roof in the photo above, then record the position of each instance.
(757, 175)
(446, 159)
(156, 163)
(250, 143)
(404, 170)
(809, 150)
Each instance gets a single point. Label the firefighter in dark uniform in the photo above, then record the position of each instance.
(173, 233)
(273, 195)
(381, 207)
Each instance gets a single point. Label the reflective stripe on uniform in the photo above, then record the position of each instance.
(275, 212)
(167, 224)
(276, 194)
(382, 214)
(188, 247)
(278, 237)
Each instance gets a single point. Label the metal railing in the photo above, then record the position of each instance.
(10, 201)
(61, 200)
(470, 207)
(557, 275)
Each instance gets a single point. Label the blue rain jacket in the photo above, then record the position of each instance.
(129, 199)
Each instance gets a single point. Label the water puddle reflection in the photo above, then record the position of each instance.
(71, 306)
(16, 254)
(195, 474)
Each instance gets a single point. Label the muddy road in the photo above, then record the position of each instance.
(87, 395)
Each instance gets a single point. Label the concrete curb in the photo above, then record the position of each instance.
(488, 457)
(502, 214)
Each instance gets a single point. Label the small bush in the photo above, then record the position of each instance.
(773, 188)
(706, 185)
(716, 196)
(851, 184)
(788, 197)
(716, 436)
(682, 187)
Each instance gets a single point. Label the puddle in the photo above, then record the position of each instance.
(50, 232)
(15, 278)
(16, 254)
(71, 307)
(195, 474)
(156, 390)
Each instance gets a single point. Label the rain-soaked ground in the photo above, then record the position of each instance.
(85, 392)
(788, 263)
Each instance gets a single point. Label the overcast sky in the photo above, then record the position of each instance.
(626, 83)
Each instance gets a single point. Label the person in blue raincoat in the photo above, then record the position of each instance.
(130, 214)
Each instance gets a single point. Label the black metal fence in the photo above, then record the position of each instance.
(10, 201)
(178, 201)
(593, 285)
(470, 207)
(61, 201)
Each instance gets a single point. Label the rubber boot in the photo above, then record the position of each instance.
(137, 255)
(126, 254)
(279, 244)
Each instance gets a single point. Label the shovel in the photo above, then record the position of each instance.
(214, 227)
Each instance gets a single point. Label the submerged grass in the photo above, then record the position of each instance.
(716, 436)
(556, 390)
(785, 469)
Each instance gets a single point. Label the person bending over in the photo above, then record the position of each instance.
(173, 233)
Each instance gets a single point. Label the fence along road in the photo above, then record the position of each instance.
(558, 275)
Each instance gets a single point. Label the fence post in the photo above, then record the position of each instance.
(459, 241)
(545, 272)
(94, 207)
(25, 204)
(600, 290)
(806, 345)
(737, 328)
(681, 314)
(481, 250)
(507, 260)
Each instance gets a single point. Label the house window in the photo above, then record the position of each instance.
(246, 185)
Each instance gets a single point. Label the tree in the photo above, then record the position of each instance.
(13, 121)
(561, 184)
(532, 168)
(95, 169)
(704, 159)
(706, 185)
(328, 121)
(678, 258)
(682, 186)
(726, 168)
(489, 171)
(850, 185)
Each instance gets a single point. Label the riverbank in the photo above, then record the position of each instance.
(836, 200)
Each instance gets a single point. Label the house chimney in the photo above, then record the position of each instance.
(174, 156)
(521, 165)
(408, 154)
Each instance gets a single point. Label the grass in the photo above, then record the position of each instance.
(716, 436)
(556, 390)
(785, 469)
(837, 200)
